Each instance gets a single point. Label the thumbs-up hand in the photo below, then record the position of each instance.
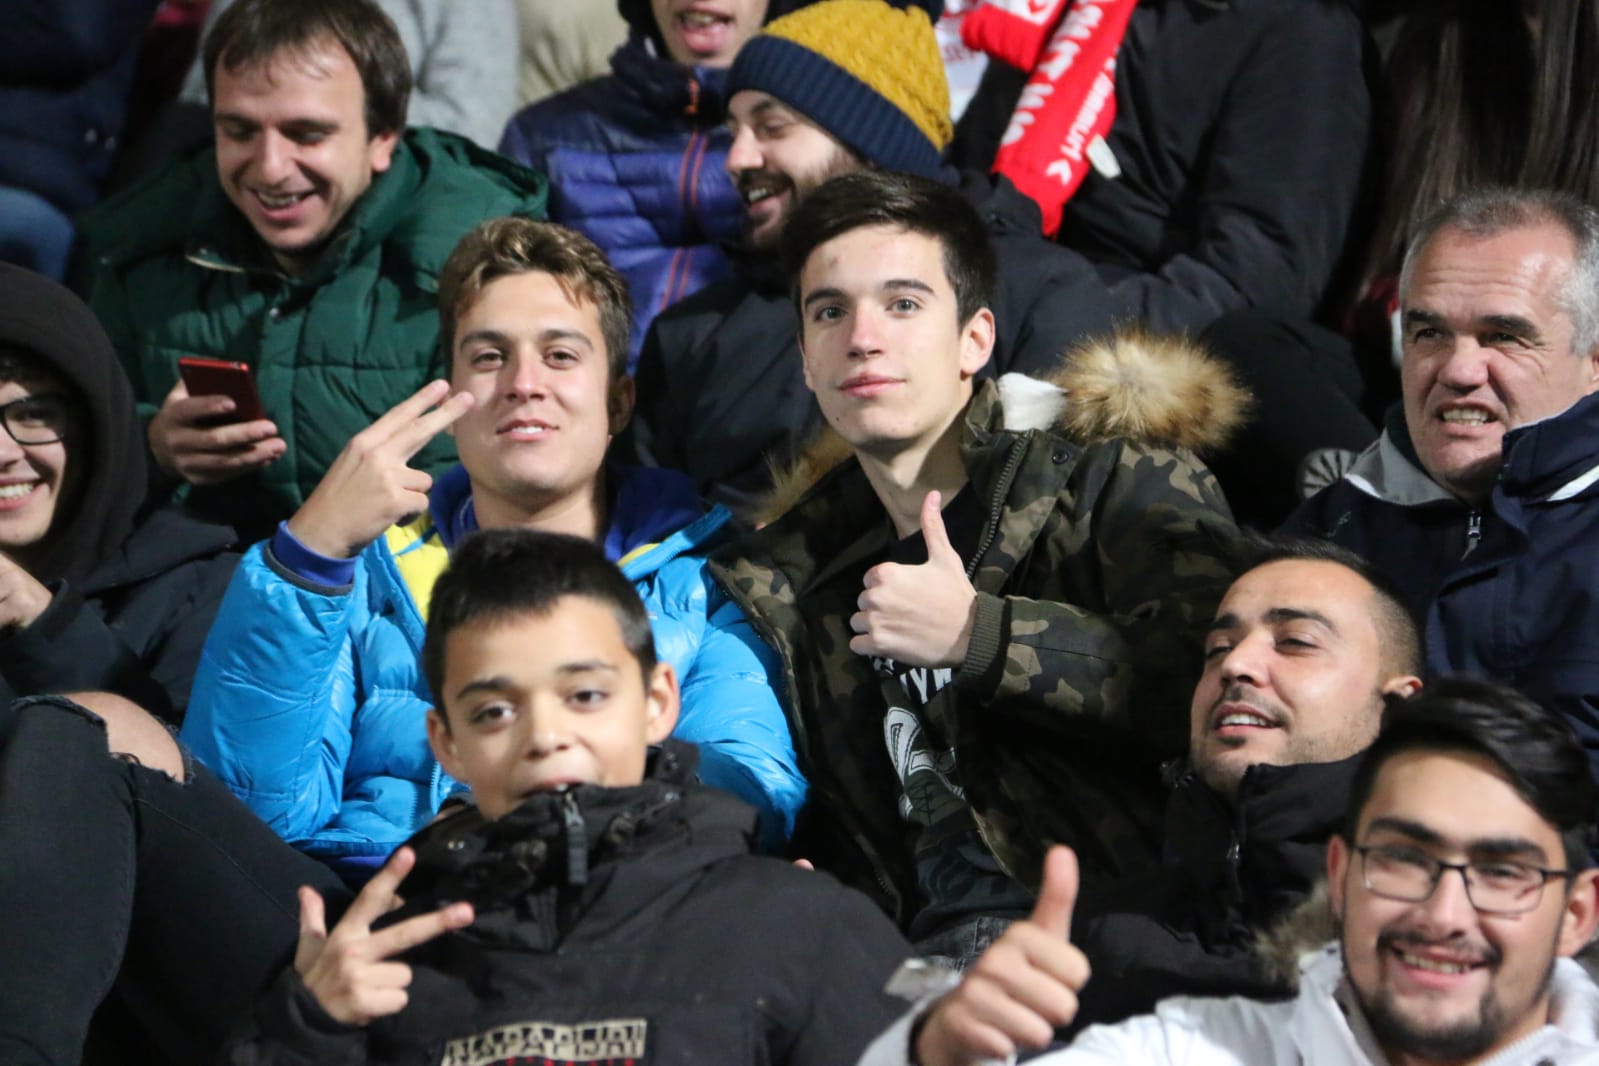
(917, 615)
(1021, 989)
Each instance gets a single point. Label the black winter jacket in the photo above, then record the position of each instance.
(721, 391)
(1228, 873)
(137, 624)
(1242, 131)
(614, 925)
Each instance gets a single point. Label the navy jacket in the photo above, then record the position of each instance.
(66, 67)
(1508, 590)
(637, 162)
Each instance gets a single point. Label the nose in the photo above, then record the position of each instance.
(866, 332)
(525, 376)
(1449, 909)
(1466, 366)
(546, 732)
(273, 158)
(743, 154)
(1245, 661)
(10, 450)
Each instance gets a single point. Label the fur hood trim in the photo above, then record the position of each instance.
(1306, 927)
(1147, 388)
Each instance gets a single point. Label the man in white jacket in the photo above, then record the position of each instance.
(1460, 886)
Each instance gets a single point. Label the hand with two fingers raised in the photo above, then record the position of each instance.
(187, 441)
(371, 485)
(1018, 991)
(351, 971)
(918, 615)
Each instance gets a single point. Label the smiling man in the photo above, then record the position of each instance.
(989, 600)
(310, 702)
(835, 87)
(307, 246)
(1481, 503)
(1460, 885)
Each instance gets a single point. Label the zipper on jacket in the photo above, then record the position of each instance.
(1473, 533)
(1001, 490)
(577, 840)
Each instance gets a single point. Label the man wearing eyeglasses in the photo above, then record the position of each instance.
(1460, 886)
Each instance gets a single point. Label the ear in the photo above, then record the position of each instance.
(619, 403)
(380, 150)
(1402, 685)
(443, 744)
(977, 343)
(1338, 859)
(662, 702)
(1593, 370)
(1581, 914)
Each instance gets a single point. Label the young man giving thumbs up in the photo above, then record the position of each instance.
(989, 601)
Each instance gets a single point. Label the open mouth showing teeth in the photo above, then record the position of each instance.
(278, 203)
(1242, 718)
(701, 20)
(16, 492)
(1434, 965)
(1466, 417)
(525, 431)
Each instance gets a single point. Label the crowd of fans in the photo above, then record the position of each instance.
(572, 534)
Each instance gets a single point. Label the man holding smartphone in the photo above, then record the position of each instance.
(307, 246)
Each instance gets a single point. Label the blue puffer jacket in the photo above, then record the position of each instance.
(310, 700)
(1508, 590)
(637, 162)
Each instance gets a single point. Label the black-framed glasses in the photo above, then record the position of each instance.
(42, 418)
(1494, 886)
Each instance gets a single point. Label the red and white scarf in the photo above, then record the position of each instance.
(1069, 102)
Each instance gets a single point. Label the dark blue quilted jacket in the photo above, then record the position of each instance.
(636, 161)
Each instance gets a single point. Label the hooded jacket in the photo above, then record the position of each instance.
(721, 385)
(1508, 590)
(310, 702)
(1098, 568)
(1229, 872)
(133, 592)
(1321, 1024)
(613, 925)
(637, 161)
(179, 271)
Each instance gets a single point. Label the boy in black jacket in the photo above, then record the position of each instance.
(596, 905)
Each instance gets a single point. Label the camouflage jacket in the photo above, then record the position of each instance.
(1099, 567)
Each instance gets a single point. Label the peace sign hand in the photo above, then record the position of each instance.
(370, 487)
(349, 970)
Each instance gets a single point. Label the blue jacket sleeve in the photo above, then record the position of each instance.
(732, 711)
(274, 699)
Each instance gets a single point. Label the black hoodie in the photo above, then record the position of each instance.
(629, 919)
(133, 593)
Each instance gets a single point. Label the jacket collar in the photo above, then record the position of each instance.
(669, 87)
(1552, 460)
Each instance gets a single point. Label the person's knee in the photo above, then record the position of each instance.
(133, 731)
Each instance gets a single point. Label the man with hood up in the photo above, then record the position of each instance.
(94, 592)
(637, 159)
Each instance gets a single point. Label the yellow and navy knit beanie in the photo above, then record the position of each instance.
(869, 72)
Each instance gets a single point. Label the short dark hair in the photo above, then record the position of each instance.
(497, 574)
(252, 32)
(1398, 633)
(503, 246)
(1532, 747)
(874, 197)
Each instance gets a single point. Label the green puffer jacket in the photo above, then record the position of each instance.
(178, 271)
(1100, 566)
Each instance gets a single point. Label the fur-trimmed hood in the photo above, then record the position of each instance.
(1138, 386)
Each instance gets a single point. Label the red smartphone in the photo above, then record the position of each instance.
(212, 377)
